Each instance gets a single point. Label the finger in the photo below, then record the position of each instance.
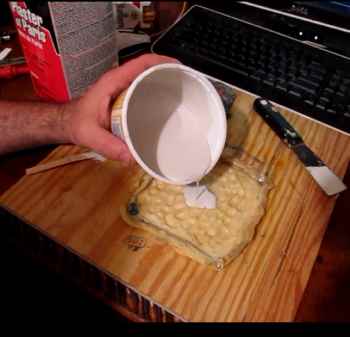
(108, 145)
(118, 79)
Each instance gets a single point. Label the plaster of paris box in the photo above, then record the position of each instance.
(67, 45)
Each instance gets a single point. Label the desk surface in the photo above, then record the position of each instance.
(326, 295)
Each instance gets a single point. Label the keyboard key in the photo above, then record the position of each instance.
(346, 81)
(203, 51)
(293, 68)
(303, 72)
(255, 78)
(294, 94)
(251, 60)
(317, 67)
(281, 73)
(340, 108)
(340, 96)
(239, 72)
(309, 103)
(240, 65)
(212, 53)
(333, 83)
(316, 77)
(269, 83)
(343, 88)
(261, 73)
(299, 88)
(282, 80)
(324, 100)
(281, 88)
(320, 109)
(253, 53)
(337, 77)
(291, 76)
(307, 83)
(329, 91)
(261, 64)
(271, 68)
(251, 69)
(242, 59)
(331, 112)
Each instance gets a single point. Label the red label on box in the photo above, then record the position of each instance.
(67, 45)
(40, 53)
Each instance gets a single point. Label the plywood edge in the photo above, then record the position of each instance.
(91, 262)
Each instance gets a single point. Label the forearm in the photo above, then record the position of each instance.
(85, 121)
(30, 124)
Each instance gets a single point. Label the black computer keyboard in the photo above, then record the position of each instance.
(309, 80)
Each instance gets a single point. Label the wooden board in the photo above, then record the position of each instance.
(77, 206)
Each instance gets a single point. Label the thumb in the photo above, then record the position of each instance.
(116, 80)
(110, 146)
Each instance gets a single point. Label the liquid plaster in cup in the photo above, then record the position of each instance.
(173, 121)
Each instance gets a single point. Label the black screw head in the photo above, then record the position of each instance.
(133, 209)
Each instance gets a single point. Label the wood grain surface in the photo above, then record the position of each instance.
(78, 207)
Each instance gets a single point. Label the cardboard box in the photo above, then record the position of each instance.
(67, 45)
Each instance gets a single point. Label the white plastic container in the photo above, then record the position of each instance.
(173, 121)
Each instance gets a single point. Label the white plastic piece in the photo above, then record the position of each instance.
(199, 196)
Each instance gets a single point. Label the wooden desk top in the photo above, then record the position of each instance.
(78, 207)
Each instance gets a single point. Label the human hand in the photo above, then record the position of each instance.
(87, 118)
